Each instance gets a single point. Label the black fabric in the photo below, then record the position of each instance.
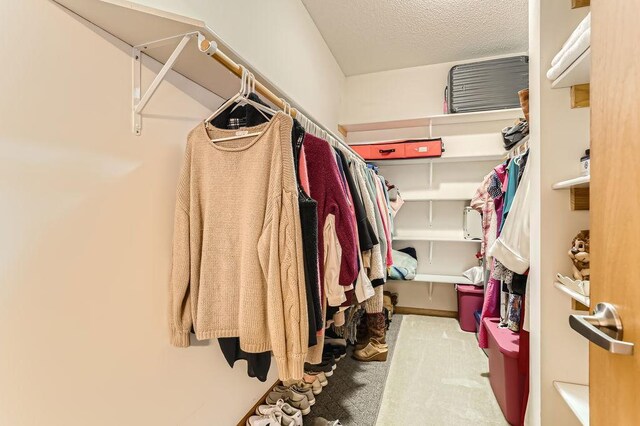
(519, 284)
(236, 116)
(377, 282)
(257, 364)
(365, 231)
(309, 229)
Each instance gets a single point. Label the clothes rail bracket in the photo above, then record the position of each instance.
(140, 100)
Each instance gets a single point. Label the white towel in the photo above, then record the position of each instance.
(570, 55)
(581, 28)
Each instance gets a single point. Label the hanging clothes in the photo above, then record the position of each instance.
(224, 296)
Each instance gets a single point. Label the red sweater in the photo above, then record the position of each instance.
(326, 188)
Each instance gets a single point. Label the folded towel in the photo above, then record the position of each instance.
(582, 27)
(572, 53)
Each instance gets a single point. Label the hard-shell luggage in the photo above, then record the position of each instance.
(487, 85)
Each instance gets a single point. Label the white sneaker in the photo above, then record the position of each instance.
(290, 416)
(273, 419)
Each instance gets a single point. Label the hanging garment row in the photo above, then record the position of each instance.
(276, 234)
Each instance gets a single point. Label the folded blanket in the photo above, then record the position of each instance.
(582, 27)
(572, 53)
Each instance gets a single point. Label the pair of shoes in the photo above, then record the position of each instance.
(321, 421)
(315, 387)
(314, 382)
(324, 367)
(374, 351)
(281, 411)
(310, 376)
(338, 351)
(273, 419)
(301, 388)
(330, 358)
(295, 399)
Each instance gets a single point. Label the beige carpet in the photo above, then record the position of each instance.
(438, 377)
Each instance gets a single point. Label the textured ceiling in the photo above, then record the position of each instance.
(376, 35)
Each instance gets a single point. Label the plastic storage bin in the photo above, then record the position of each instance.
(470, 300)
(505, 378)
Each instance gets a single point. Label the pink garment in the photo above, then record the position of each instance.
(490, 308)
(302, 171)
(483, 203)
(384, 212)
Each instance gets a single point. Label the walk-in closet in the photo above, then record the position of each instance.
(319, 212)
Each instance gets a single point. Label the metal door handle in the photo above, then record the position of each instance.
(604, 328)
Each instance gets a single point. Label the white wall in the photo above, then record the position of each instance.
(559, 136)
(279, 38)
(86, 227)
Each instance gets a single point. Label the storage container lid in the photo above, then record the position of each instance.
(507, 340)
(470, 289)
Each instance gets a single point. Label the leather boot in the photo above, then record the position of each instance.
(377, 327)
(376, 349)
(362, 336)
(524, 102)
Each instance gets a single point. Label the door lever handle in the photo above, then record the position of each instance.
(604, 328)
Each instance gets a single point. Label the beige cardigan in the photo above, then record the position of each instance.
(237, 249)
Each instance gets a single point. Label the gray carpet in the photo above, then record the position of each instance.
(354, 391)
(438, 377)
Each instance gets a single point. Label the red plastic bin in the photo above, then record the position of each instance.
(505, 378)
(470, 300)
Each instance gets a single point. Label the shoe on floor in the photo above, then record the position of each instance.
(338, 351)
(319, 375)
(290, 416)
(292, 398)
(316, 386)
(273, 419)
(304, 390)
(321, 421)
(323, 367)
(374, 351)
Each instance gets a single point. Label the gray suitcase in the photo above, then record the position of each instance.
(487, 85)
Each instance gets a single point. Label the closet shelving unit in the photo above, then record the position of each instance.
(577, 78)
(579, 182)
(585, 300)
(577, 398)
(444, 192)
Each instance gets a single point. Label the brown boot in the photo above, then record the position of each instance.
(362, 336)
(377, 327)
(524, 102)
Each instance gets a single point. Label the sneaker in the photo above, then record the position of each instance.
(321, 421)
(290, 416)
(299, 388)
(374, 351)
(330, 359)
(273, 419)
(316, 386)
(292, 398)
(338, 351)
(319, 375)
(323, 367)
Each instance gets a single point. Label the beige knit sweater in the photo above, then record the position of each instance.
(237, 250)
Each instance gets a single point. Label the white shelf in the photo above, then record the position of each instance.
(445, 192)
(433, 235)
(579, 72)
(457, 159)
(585, 300)
(441, 119)
(579, 182)
(577, 398)
(437, 278)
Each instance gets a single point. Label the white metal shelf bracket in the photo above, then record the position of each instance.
(430, 291)
(430, 252)
(139, 100)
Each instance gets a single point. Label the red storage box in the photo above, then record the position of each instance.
(470, 300)
(398, 149)
(505, 378)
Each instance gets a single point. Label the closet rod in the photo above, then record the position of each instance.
(236, 69)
